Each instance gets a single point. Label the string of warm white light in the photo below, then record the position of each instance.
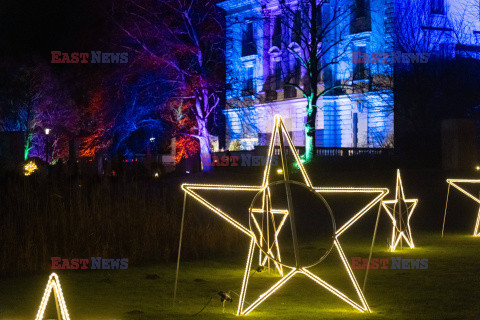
(53, 283)
(259, 241)
(394, 210)
(382, 192)
(30, 168)
(263, 258)
(453, 183)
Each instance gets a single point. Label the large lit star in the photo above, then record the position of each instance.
(453, 182)
(270, 249)
(397, 210)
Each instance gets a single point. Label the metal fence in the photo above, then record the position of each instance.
(319, 151)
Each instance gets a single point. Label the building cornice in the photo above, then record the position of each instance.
(235, 5)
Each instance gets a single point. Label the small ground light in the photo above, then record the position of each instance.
(280, 171)
(47, 131)
(260, 269)
(477, 168)
(225, 296)
(30, 168)
(156, 175)
(152, 139)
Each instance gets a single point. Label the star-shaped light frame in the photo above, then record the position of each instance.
(279, 128)
(62, 312)
(453, 183)
(394, 210)
(264, 258)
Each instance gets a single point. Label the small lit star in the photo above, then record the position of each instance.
(397, 209)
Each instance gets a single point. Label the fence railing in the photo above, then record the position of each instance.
(330, 151)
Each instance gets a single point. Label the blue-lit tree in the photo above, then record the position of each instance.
(19, 98)
(184, 39)
(141, 114)
(126, 111)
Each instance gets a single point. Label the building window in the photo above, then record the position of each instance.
(297, 72)
(248, 41)
(297, 28)
(360, 9)
(249, 88)
(361, 20)
(327, 77)
(290, 90)
(277, 32)
(360, 71)
(319, 20)
(437, 6)
(278, 76)
(444, 51)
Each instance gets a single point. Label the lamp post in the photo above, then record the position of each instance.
(152, 146)
(150, 155)
(47, 133)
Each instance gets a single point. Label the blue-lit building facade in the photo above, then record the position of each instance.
(359, 115)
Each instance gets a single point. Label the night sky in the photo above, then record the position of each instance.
(37, 27)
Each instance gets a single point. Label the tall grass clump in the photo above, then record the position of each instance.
(138, 219)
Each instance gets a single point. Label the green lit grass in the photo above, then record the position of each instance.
(448, 289)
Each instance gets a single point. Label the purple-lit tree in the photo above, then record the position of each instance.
(184, 39)
(35, 100)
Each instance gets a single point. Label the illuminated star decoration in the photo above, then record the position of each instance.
(30, 168)
(453, 182)
(62, 312)
(280, 130)
(397, 211)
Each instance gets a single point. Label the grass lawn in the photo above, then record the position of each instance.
(448, 289)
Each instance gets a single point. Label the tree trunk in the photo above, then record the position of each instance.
(27, 146)
(202, 107)
(310, 131)
(204, 139)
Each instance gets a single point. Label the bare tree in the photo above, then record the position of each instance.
(312, 38)
(184, 38)
(34, 99)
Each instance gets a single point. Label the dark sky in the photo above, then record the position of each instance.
(40, 26)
